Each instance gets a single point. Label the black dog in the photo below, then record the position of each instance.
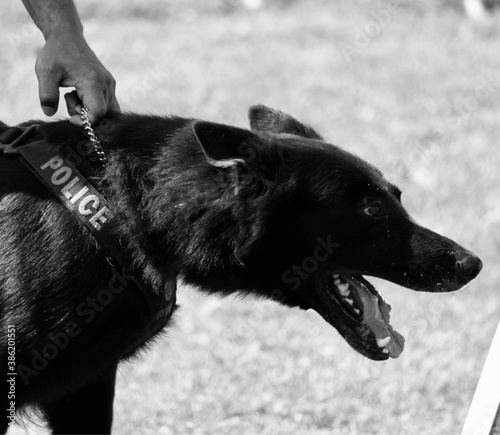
(275, 212)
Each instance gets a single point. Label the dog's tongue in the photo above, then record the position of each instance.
(376, 317)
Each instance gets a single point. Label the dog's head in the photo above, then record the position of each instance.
(314, 219)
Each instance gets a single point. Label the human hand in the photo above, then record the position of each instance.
(66, 60)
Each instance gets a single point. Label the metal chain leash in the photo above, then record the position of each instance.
(96, 145)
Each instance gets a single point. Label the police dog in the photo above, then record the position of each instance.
(222, 208)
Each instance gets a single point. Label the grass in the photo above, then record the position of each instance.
(404, 102)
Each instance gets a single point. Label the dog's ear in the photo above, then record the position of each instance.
(247, 157)
(268, 120)
(223, 145)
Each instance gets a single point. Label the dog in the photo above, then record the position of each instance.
(274, 211)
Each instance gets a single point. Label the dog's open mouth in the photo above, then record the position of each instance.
(358, 311)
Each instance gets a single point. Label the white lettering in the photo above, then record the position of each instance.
(65, 189)
(61, 176)
(53, 163)
(101, 217)
(82, 207)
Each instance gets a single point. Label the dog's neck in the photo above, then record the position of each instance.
(164, 177)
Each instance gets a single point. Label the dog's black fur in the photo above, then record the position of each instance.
(222, 208)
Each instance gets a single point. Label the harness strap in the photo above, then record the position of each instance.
(64, 180)
(11, 138)
(11, 134)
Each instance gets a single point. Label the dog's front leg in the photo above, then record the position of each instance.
(87, 410)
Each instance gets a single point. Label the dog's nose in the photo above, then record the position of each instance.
(468, 264)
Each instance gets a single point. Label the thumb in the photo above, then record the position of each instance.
(48, 90)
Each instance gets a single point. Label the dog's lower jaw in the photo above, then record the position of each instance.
(358, 333)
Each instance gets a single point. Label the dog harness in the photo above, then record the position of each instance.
(60, 174)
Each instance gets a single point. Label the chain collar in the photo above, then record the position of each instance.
(96, 145)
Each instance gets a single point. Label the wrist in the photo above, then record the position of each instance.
(65, 30)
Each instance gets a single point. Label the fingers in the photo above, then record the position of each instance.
(48, 90)
(73, 103)
(99, 99)
(115, 106)
(96, 105)
(94, 101)
(74, 106)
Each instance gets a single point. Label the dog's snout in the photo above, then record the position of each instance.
(468, 265)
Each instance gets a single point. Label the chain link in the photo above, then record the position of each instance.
(96, 145)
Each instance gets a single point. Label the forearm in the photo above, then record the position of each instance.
(54, 16)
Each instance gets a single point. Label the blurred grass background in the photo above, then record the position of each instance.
(419, 98)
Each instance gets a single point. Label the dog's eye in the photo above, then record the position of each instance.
(372, 210)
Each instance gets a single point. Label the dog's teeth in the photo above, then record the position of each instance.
(336, 275)
(337, 282)
(384, 350)
(356, 311)
(345, 293)
(349, 301)
(344, 289)
(383, 342)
